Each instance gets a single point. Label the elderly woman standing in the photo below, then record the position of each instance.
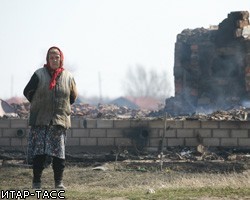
(51, 91)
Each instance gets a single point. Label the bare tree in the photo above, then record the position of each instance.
(142, 83)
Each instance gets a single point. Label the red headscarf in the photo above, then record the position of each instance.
(55, 72)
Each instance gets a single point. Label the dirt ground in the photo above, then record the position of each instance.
(186, 159)
(150, 171)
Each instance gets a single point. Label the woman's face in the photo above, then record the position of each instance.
(54, 58)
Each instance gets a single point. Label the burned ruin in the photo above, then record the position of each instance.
(212, 67)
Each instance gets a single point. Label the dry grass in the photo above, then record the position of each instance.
(125, 181)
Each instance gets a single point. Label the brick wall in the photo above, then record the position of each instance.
(126, 133)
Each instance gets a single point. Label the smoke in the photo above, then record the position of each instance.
(246, 104)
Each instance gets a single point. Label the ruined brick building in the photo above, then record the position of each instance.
(212, 66)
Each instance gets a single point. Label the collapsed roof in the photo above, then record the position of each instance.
(6, 109)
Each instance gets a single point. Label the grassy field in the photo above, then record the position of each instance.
(122, 181)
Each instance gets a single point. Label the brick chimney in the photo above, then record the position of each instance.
(212, 66)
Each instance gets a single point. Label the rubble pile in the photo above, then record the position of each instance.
(110, 111)
(107, 111)
(102, 111)
(240, 114)
(22, 109)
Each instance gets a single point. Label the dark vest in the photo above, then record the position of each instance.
(51, 106)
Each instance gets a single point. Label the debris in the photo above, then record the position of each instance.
(107, 111)
(175, 159)
(150, 191)
(101, 168)
(201, 149)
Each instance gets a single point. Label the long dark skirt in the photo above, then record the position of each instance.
(47, 140)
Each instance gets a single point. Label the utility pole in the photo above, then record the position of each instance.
(11, 85)
(100, 87)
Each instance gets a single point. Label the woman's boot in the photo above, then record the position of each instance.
(37, 174)
(58, 168)
(38, 167)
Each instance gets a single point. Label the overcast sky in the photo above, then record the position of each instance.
(100, 39)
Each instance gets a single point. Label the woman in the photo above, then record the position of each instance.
(51, 91)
